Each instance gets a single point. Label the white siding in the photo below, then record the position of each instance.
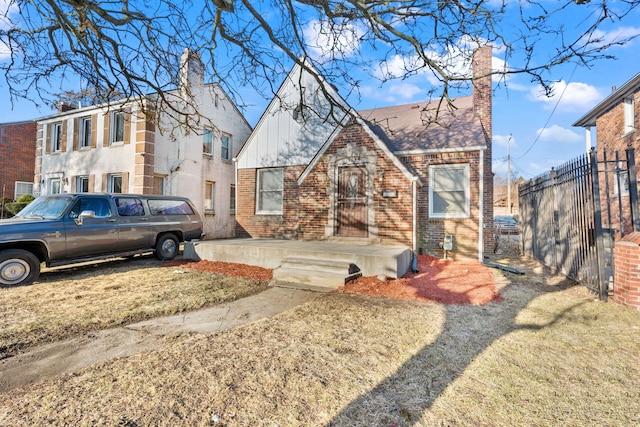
(281, 140)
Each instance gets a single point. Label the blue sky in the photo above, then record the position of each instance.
(537, 128)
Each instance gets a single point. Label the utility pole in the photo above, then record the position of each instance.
(509, 174)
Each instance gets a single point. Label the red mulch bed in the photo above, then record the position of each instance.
(442, 281)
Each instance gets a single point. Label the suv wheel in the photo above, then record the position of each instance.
(18, 267)
(167, 247)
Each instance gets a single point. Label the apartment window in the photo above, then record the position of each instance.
(225, 142)
(270, 188)
(56, 137)
(232, 198)
(628, 115)
(116, 132)
(82, 184)
(114, 183)
(624, 180)
(449, 191)
(207, 142)
(158, 185)
(209, 196)
(22, 188)
(55, 186)
(85, 132)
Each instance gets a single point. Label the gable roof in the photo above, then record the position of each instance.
(406, 130)
(609, 102)
(298, 120)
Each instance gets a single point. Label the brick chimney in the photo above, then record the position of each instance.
(64, 106)
(482, 88)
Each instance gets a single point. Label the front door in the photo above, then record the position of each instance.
(352, 202)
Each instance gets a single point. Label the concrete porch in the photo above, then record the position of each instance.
(320, 265)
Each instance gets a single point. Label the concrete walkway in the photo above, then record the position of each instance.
(76, 353)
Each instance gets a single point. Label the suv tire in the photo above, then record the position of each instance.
(167, 247)
(18, 267)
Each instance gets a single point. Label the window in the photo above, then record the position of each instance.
(169, 207)
(624, 180)
(100, 207)
(270, 187)
(114, 184)
(23, 188)
(116, 133)
(628, 115)
(209, 196)
(207, 142)
(449, 191)
(158, 185)
(56, 137)
(232, 198)
(85, 132)
(55, 186)
(225, 142)
(82, 184)
(129, 207)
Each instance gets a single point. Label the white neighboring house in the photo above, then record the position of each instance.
(117, 148)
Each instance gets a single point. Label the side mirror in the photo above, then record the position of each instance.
(83, 215)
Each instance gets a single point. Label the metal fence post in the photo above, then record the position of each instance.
(633, 188)
(597, 219)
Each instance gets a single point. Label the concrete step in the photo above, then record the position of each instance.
(315, 274)
(319, 264)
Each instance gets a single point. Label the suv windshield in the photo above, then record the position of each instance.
(46, 207)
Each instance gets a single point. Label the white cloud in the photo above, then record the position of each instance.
(558, 134)
(574, 96)
(327, 40)
(504, 140)
(8, 9)
(394, 93)
(616, 35)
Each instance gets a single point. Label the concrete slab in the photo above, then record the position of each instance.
(373, 260)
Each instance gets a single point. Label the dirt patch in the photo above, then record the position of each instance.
(442, 281)
(258, 274)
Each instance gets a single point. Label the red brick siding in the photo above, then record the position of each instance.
(17, 155)
(626, 290)
(611, 137)
(431, 232)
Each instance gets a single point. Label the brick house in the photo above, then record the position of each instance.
(617, 123)
(17, 158)
(119, 148)
(312, 172)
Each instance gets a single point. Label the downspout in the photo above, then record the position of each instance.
(414, 261)
(481, 206)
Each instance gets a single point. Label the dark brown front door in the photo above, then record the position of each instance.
(352, 202)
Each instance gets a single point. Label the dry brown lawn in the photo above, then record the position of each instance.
(71, 301)
(547, 355)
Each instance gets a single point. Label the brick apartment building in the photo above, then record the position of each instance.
(17, 158)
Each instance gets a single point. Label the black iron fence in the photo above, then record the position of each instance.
(562, 216)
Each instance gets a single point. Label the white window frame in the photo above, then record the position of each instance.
(55, 186)
(225, 144)
(232, 198)
(117, 120)
(434, 170)
(85, 132)
(629, 125)
(17, 193)
(260, 193)
(111, 183)
(56, 137)
(209, 197)
(624, 180)
(79, 181)
(207, 142)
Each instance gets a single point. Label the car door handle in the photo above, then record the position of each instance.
(111, 220)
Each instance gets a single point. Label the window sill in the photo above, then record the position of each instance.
(628, 132)
(210, 212)
(269, 213)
